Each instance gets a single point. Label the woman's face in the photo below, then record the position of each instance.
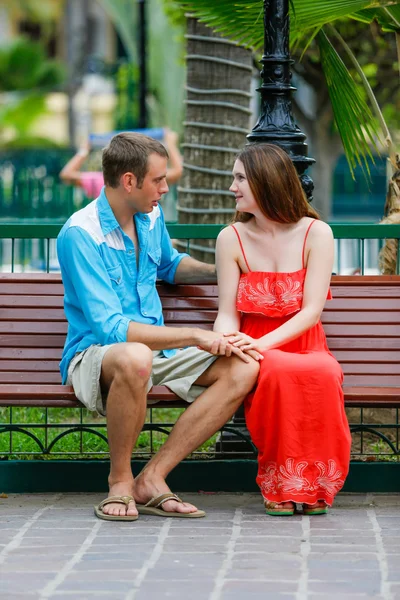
(245, 201)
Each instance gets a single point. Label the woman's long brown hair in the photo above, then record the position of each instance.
(275, 184)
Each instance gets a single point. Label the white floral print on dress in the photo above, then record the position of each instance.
(289, 478)
(280, 295)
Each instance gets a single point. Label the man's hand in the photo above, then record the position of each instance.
(215, 343)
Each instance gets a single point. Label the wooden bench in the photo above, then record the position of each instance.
(362, 324)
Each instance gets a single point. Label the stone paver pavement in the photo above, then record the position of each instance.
(52, 546)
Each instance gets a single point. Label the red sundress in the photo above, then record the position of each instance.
(295, 415)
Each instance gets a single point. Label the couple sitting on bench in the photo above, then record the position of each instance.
(267, 349)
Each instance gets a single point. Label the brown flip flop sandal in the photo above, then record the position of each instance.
(117, 500)
(152, 508)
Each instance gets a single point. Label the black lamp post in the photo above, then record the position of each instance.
(276, 124)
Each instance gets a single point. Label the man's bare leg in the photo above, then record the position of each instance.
(229, 381)
(125, 372)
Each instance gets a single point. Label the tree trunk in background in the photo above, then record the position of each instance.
(219, 77)
(76, 36)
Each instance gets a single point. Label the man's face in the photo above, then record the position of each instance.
(154, 185)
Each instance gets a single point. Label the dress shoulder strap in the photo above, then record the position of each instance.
(241, 246)
(305, 240)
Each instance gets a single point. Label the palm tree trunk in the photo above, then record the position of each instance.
(219, 75)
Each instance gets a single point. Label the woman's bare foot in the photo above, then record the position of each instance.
(121, 488)
(148, 486)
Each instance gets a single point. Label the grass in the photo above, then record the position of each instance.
(46, 425)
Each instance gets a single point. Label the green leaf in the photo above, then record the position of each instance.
(242, 20)
(123, 13)
(22, 114)
(23, 66)
(388, 17)
(356, 125)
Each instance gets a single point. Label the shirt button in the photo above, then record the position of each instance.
(145, 313)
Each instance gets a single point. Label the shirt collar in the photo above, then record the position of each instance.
(108, 221)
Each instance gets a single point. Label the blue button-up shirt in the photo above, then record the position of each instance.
(104, 287)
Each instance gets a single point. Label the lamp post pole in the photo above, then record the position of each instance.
(276, 124)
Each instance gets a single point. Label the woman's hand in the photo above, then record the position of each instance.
(244, 342)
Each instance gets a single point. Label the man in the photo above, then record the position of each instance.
(111, 253)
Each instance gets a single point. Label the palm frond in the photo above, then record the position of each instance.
(387, 17)
(319, 12)
(124, 18)
(242, 20)
(353, 117)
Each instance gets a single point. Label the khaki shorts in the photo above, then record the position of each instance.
(178, 373)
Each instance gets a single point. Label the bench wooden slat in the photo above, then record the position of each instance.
(387, 356)
(31, 314)
(30, 377)
(390, 318)
(31, 341)
(347, 304)
(52, 365)
(374, 380)
(43, 393)
(54, 377)
(361, 317)
(48, 340)
(9, 301)
(29, 365)
(33, 327)
(331, 329)
(354, 343)
(357, 368)
(361, 330)
(174, 303)
(32, 289)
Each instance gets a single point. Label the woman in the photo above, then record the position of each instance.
(274, 266)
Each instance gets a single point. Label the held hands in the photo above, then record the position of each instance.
(220, 344)
(244, 342)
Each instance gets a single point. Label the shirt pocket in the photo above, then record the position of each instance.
(115, 275)
(153, 262)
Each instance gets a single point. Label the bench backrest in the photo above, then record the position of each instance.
(362, 324)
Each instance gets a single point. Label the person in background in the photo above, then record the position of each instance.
(92, 182)
(274, 267)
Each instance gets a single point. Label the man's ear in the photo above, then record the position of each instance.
(129, 181)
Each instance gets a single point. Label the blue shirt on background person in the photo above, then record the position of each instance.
(104, 287)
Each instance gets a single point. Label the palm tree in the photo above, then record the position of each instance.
(218, 84)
